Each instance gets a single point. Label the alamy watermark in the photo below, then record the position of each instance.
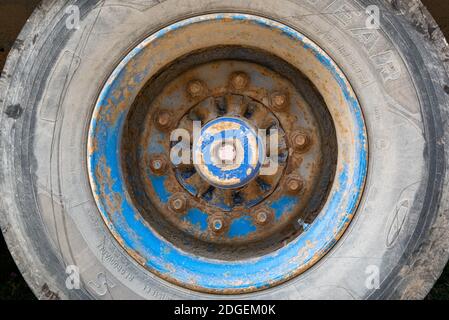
(230, 152)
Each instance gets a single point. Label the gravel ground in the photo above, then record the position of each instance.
(13, 14)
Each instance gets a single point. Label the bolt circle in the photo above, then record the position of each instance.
(178, 203)
(279, 101)
(239, 80)
(195, 88)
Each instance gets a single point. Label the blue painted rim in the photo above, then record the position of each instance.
(183, 268)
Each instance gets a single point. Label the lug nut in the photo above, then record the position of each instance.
(294, 184)
(239, 80)
(279, 100)
(299, 140)
(178, 203)
(158, 164)
(263, 216)
(163, 119)
(217, 224)
(195, 88)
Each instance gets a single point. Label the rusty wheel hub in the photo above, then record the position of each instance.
(228, 153)
(244, 140)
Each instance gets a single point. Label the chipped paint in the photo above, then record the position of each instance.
(198, 272)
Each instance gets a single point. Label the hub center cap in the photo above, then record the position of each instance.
(228, 153)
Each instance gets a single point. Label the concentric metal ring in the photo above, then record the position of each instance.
(228, 153)
(164, 258)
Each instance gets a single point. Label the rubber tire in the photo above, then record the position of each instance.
(52, 79)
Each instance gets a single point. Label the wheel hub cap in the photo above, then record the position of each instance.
(228, 153)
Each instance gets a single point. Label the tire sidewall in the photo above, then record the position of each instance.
(402, 121)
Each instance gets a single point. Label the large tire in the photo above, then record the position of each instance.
(50, 85)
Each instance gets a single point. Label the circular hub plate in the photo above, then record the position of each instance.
(228, 153)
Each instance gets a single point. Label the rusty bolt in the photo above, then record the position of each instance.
(178, 203)
(263, 216)
(217, 224)
(299, 140)
(195, 88)
(239, 80)
(163, 119)
(294, 184)
(279, 100)
(158, 164)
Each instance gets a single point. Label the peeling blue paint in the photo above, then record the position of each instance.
(158, 183)
(241, 227)
(198, 218)
(162, 257)
(283, 205)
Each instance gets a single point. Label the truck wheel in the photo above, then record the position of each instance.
(135, 163)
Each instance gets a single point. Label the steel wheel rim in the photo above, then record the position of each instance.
(198, 273)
